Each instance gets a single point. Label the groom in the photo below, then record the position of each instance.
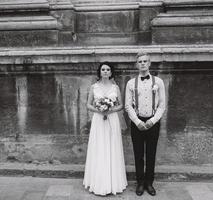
(145, 104)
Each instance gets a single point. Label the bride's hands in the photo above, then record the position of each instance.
(108, 112)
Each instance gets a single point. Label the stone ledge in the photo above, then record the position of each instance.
(105, 7)
(83, 54)
(188, 5)
(27, 5)
(28, 23)
(189, 14)
(182, 20)
(61, 5)
(163, 173)
(185, 3)
(109, 5)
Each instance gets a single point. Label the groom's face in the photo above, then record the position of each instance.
(143, 63)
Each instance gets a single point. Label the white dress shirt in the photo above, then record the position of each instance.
(145, 99)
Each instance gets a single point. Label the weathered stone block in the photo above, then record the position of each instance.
(183, 35)
(144, 37)
(107, 22)
(28, 31)
(66, 18)
(146, 14)
(67, 38)
(106, 39)
(182, 29)
(107, 27)
(64, 12)
(28, 38)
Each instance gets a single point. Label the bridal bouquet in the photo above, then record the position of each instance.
(104, 104)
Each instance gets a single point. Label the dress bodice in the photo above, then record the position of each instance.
(99, 93)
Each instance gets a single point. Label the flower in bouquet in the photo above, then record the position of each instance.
(105, 104)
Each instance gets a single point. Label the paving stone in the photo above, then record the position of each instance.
(59, 192)
(33, 195)
(200, 192)
(30, 188)
(178, 194)
(11, 194)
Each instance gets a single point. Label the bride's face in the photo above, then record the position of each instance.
(105, 71)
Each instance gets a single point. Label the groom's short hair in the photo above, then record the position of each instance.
(142, 53)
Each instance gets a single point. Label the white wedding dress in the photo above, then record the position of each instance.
(105, 168)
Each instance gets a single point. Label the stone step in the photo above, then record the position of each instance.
(163, 173)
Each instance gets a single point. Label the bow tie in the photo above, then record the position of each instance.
(145, 77)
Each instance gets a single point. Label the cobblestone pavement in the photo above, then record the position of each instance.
(30, 188)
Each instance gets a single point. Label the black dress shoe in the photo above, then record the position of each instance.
(151, 190)
(139, 189)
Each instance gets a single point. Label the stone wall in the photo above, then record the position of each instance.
(45, 117)
(43, 109)
(33, 23)
(49, 54)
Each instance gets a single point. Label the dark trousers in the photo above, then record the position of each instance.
(145, 143)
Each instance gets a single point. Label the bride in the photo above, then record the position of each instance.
(105, 168)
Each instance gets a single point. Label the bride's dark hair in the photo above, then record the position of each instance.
(111, 68)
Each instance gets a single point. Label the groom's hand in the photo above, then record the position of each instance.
(141, 126)
(148, 124)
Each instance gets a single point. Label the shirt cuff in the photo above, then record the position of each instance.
(137, 121)
(153, 120)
